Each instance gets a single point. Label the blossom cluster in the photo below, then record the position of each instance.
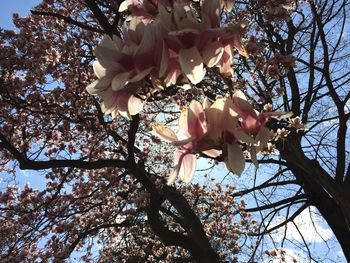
(227, 127)
(169, 43)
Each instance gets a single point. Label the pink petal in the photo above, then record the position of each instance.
(124, 6)
(206, 103)
(280, 115)
(183, 122)
(122, 101)
(144, 54)
(173, 175)
(191, 64)
(172, 73)
(214, 119)
(241, 101)
(196, 120)
(221, 117)
(164, 61)
(250, 123)
(243, 137)
(184, 17)
(109, 98)
(253, 157)
(107, 54)
(225, 65)
(99, 85)
(165, 19)
(140, 75)
(229, 116)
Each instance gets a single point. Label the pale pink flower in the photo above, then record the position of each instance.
(223, 127)
(297, 124)
(252, 130)
(121, 64)
(198, 43)
(193, 124)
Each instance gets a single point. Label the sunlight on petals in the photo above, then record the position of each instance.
(135, 105)
(196, 120)
(188, 167)
(212, 53)
(164, 133)
(192, 64)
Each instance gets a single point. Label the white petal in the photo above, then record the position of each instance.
(140, 75)
(253, 157)
(172, 176)
(120, 80)
(212, 153)
(98, 86)
(212, 53)
(188, 167)
(124, 6)
(164, 61)
(135, 105)
(98, 69)
(236, 161)
(262, 138)
(164, 133)
(191, 64)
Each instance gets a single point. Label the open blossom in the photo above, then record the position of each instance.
(195, 43)
(121, 64)
(173, 42)
(193, 124)
(252, 130)
(221, 128)
(297, 124)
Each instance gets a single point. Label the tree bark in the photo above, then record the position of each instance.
(329, 196)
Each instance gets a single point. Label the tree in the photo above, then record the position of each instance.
(235, 77)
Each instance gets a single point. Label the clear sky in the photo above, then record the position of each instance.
(8, 7)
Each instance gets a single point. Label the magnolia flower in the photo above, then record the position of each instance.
(223, 121)
(121, 64)
(145, 9)
(193, 125)
(198, 43)
(252, 130)
(297, 124)
(221, 127)
(281, 133)
(114, 102)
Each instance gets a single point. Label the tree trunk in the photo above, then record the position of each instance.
(332, 213)
(330, 197)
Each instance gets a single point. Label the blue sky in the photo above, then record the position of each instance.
(23, 8)
(14, 6)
